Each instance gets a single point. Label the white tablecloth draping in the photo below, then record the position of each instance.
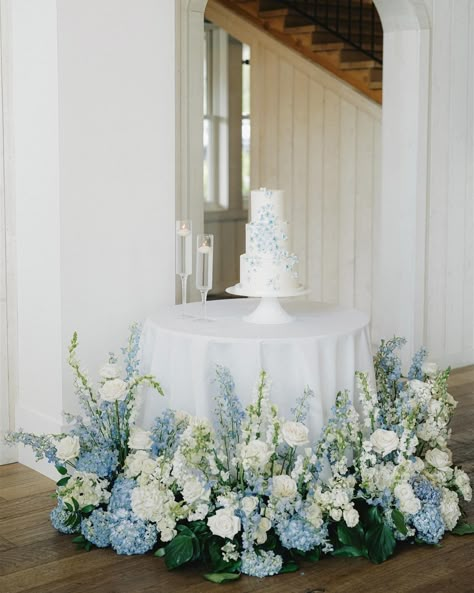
(321, 348)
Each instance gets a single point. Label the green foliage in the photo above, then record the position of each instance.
(463, 529)
(222, 577)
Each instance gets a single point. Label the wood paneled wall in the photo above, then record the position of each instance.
(319, 140)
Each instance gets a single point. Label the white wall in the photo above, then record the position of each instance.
(93, 86)
(450, 216)
(319, 140)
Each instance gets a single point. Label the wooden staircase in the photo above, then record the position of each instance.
(319, 45)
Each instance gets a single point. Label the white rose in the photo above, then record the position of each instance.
(261, 534)
(336, 514)
(255, 454)
(134, 463)
(67, 448)
(295, 434)
(351, 517)
(193, 490)
(249, 504)
(430, 369)
(224, 523)
(439, 459)
(113, 390)
(110, 371)
(409, 503)
(139, 438)
(450, 511)
(384, 441)
(284, 487)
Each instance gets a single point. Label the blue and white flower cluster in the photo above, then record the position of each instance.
(248, 490)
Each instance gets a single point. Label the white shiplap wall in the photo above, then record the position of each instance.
(319, 140)
(449, 310)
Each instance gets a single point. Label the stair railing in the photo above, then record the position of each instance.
(356, 22)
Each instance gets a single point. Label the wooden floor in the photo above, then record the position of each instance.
(34, 558)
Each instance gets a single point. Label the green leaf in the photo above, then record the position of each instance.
(289, 566)
(80, 539)
(69, 507)
(63, 481)
(463, 529)
(374, 516)
(61, 469)
(160, 552)
(179, 551)
(76, 504)
(351, 536)
(222, 577)
(380, 543)
(313, 555)
(350, 552)
(399, 521)
(87, 509)
(198, 527)
(196, 549)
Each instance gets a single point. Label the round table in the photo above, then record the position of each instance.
(321, 348)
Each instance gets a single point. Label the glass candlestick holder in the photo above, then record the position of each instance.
(204, 262)
(184, 254)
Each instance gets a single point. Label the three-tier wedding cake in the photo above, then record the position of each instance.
(267, 267)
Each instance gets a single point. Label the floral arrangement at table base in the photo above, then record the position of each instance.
(247, 492)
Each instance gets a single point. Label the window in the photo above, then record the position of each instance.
(226, 137)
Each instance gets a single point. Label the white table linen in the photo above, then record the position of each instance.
(321, 348)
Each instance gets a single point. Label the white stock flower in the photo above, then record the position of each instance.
(340, 498)
(86, 488)
(255, 455)
(199, 513)
(283, 487)
(409, 503)
(194, 490)
(113, 390)
(110, 371)
(249, 504)
(450, 511)
(68, 448)
(351, 517)
(336, 514)
(430, 369)
(182, 416)
(140, 438)
(439, 459)
(294, 434)
(224, 523)
(384, 441)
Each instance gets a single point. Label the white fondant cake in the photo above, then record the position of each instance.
(267, 266)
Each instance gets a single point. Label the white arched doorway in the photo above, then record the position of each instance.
(423, 285)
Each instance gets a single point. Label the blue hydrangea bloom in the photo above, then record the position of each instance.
(429, 524)
(121, 497)
(59, 515)
(96, 528)
(263, 564)
(426, 492)
(131, 535)
(299, 534)
(102, 462)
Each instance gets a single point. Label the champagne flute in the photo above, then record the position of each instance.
(184, 254)
(204, 261)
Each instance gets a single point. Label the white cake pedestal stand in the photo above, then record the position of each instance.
(269, 311)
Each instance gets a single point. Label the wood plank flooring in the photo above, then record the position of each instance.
(34, 558)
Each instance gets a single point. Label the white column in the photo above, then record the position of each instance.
(94, 88)
(400, 211)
